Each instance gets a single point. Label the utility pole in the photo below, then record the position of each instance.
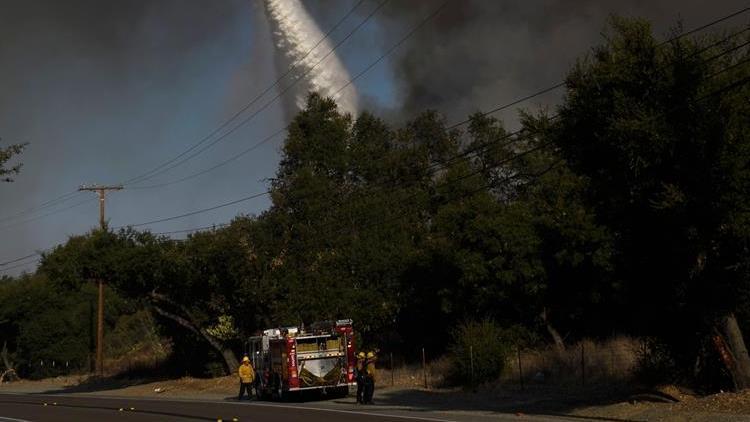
(102, 192)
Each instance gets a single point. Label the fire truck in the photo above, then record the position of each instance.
(294, 359)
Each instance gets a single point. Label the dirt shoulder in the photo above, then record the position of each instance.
(589, 404)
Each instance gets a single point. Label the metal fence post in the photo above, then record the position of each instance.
(424, 368)
(583, 364)
(471, 363)
(393, 382)
(520, 371)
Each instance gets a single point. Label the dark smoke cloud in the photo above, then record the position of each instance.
(127, 36)
(479, 53)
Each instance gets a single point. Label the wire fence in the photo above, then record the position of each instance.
(46, 368)
(586, 363)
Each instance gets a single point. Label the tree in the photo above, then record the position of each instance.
(42, 322)
(659, 135)
(330, 198)
(190, 283)
(7, 173)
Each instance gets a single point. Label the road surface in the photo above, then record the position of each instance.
(63, 407)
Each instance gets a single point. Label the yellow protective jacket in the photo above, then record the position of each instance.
(247, 374)
(371, 369)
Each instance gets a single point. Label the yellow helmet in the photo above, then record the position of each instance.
(246, 359)
(370, 355)
(361, 355)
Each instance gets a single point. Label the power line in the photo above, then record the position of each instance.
(730, 87)
(68, 196)
(214, 167)
(2, 264)
(708, 25)
(562, 83)
(513, 157)
(264, 107)
(492, 111)
(516, 135)
(19, 223)
(397, 45)
(393, 48)
(253, 101)
(195, 229)
(23, 264)
(720, 91)
(281, 130)
(215, 207)
(47, 204)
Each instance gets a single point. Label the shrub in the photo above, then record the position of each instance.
(479, 352)
(656, 363)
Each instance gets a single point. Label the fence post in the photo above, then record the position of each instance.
(424, 368)
(520, 371)
(583, 364)
(471, 363)
(392, 370)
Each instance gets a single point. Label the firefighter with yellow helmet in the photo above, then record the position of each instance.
(247, 376)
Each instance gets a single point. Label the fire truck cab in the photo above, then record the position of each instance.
(294, 359)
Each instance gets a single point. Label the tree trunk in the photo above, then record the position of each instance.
(9, 374)
(4, 354)
(556, 337)
(230, 360)
(741, 368)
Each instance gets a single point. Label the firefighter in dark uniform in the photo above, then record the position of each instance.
(369, 377)
(360, 376)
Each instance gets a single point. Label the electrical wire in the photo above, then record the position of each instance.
(281, 130)
(270, 102)
(249, 104)
(732, 86)
(200, 211)
(44, 205)
(194, 229)
(29, 220)
(408, 35)
(24, 264)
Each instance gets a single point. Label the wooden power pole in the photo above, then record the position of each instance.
(102, 192)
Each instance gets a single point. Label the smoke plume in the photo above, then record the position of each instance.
(476, 54)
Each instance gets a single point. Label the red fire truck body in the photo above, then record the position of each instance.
(293, 359)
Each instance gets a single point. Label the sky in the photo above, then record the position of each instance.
(106, 91)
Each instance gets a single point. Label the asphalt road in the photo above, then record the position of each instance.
(35, 407)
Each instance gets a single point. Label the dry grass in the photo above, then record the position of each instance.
(144, 356)
(604, 362)
(413, 376)
(587, 362)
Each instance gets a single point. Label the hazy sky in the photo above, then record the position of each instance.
(105, 90)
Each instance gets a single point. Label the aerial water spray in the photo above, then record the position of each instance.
(295, 33)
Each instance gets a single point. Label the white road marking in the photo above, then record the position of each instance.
(354, 412)
(4, 419)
